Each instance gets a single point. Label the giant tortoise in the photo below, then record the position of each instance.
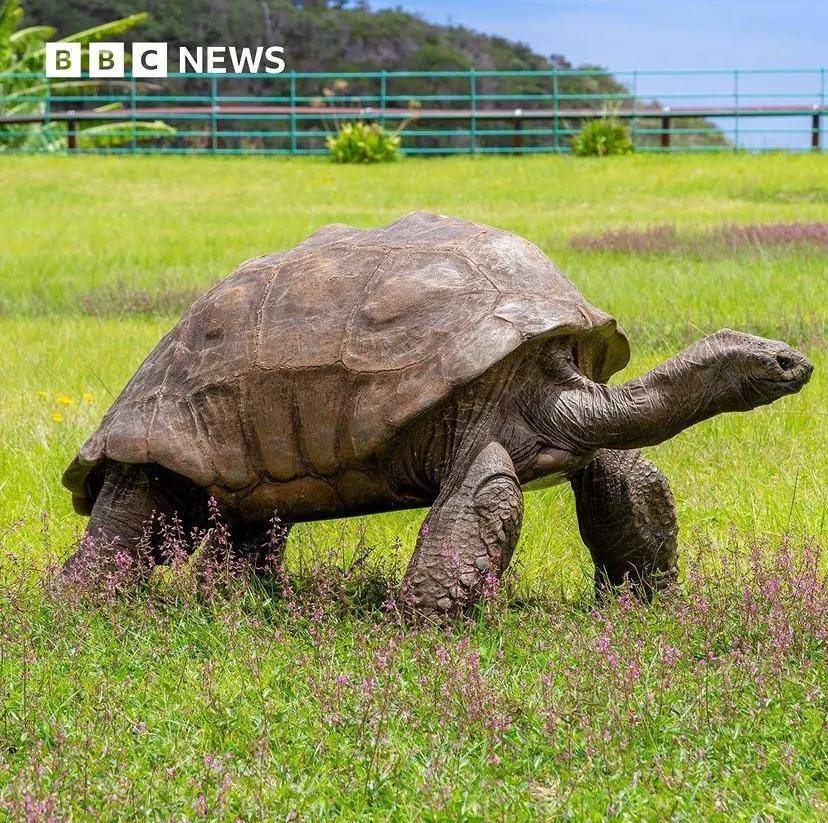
(431, 362)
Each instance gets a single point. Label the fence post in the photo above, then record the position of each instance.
(555, 124)
(517, 137)
(293, 112)
(71, 134)
(47, 111)
(633, 121)
(665, 130)
(473, 96)
(213, 113)
(133, 137)
(815, 135)
(382, 98)
(736, 108)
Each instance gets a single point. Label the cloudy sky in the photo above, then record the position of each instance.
(653, 34)
(669, 35)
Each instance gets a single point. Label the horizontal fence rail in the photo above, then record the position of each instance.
(447, 112)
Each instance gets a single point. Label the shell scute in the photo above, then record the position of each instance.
(307, 306)
(174, 432)
(223, 435)
(407, 305)
(268, 399)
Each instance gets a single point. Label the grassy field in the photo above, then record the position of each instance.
(313, 701)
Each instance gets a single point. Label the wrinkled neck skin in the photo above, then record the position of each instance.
(583, 416)
(552, 419)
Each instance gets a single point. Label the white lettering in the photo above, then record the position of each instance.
(63, 59)
(271, 56)
(215, 59)
(186, 56)
(243, 60)
(106, 59)
(149, 59)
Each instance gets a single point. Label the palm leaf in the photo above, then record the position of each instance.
(25, 107)
(105, 30)
(20, 37)
(79, 85)
(112, 134)
(102, 32)
(105, 129)
(10, 16)
(22, 52)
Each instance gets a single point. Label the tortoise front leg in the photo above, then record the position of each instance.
(468, 537)
(627, 518)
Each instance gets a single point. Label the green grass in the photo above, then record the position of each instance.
(94, 254)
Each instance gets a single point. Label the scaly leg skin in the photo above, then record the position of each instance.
(262, 546)
(627, 518)
(122, 543)
(468, 537)
(231, 548)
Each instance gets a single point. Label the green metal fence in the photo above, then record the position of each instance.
(444, 112)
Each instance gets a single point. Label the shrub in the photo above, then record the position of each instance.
(364, 143)
(600, 137)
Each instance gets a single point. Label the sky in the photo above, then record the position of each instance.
(650, 35)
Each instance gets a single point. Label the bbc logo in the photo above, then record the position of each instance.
(106, 60)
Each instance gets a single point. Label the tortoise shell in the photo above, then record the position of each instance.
(308, 362)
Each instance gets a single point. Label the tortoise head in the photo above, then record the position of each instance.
(725, 372)
(750, 371)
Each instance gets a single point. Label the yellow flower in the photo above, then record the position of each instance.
(87, 397)
(64, 400)
(57, 417)
(42, 393)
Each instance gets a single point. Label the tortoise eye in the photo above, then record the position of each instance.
(786, 363)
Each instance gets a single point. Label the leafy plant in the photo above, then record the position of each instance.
(602, 137)
(364, 143)
(25, 91)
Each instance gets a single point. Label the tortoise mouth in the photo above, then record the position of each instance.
(792, 379)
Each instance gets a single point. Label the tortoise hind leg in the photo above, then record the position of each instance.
(627, 518)
(264, 546)
(259, 547)
(122, 541)
(468, 537)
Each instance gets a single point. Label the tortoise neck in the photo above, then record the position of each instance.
(645, 411)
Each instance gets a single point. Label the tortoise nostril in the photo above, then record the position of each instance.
(785, 362)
